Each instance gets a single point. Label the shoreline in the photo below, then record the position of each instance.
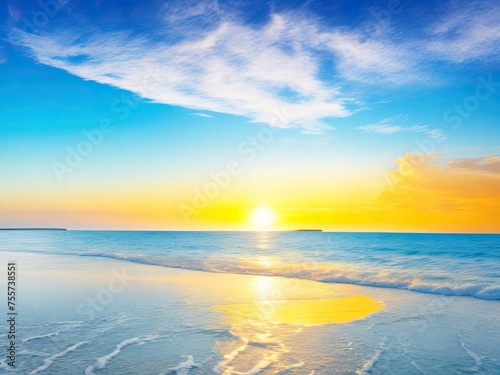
(228, 321)
(264, 274)
(101, 262)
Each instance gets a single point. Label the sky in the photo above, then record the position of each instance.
(243, 115)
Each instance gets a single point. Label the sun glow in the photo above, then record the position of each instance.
(262, 218)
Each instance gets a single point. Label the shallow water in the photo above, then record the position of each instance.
(448, 264)
(234, 324)
(74, 319)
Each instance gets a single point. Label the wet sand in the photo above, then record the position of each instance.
(84, 314)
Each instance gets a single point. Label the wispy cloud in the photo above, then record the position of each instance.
(252, 75)
(200, 57)
(466, 32)
(371, 60)
(490, 164)
(396, 124)
(453, 185)
(201, 114)
(3, 58)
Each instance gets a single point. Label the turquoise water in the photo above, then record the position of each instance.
(448, 264)
(440, 294)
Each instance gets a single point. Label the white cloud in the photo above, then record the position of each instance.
(228, 66)
(201, 114)
(481, 164)
(253, 75)
(381, 128)
(425, 183)
(467, 32)
(395, 124)
(3, 58)
(361, 59)
(200, 57)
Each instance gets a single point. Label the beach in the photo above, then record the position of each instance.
(85, 315)
(236, 187)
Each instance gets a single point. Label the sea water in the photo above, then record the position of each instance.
(448, 264)
(441, 294)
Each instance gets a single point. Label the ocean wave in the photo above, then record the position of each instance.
(184, 367)
(338, 273)
(368, 366)
(102, 361)
(55, 333)
(47, 362)
(476, 357)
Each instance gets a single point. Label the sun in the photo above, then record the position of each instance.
(262, 217)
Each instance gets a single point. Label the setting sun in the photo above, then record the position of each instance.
(262, 217)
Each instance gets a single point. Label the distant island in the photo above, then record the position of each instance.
(33, 229)
(308, 230)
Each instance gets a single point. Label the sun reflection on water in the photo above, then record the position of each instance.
(279, 309)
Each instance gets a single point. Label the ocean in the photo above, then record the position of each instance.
(448, 264)
(170, 303)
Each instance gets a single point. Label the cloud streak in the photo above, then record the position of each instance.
(252, 75)
(201, 114)
(202, 58)
(464, 186)
(467, 32)
(394, 124)
(490, 164)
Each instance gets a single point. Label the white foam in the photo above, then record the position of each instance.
(184, 367)
(289, 367)
(51, 334)
(349, 344)
(491, 292)
(228, 358)
(48, 361)
(476, 357)
(3, 364)
(55, 333)
(338, 273)
(368, 366)
(102, 361)
(414, 364)
(29, 352)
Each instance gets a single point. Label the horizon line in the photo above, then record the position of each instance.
(244, 230)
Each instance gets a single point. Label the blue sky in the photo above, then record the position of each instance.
(351, 85)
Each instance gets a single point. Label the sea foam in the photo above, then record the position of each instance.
(337, 273)
(368, 366)
(49, 361)
(102, 361)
